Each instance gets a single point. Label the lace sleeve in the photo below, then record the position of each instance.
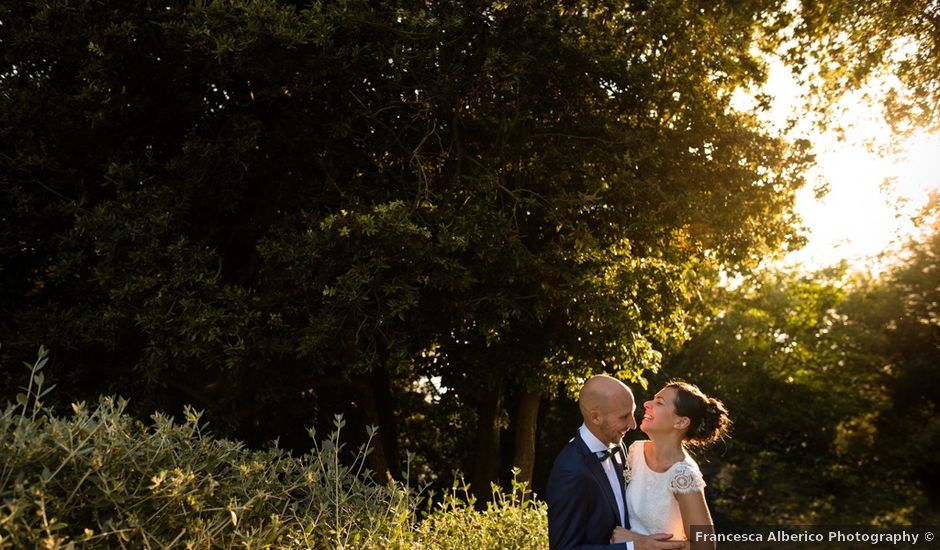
(686, 478)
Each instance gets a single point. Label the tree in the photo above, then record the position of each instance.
(278, 211)
(605, 137)
(844, 44)
(803, 375)
(900, 310)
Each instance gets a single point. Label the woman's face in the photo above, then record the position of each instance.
(659, 413)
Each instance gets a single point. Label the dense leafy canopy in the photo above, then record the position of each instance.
(842, 45)
(275, 210)
(432, 216)
(846, 367)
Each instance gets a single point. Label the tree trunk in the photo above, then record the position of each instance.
(378, 458)
(527, 414)
(387, 421)
(487, 459)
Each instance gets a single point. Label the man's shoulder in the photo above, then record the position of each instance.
(574, 445)
(570, 455)
(568, 472)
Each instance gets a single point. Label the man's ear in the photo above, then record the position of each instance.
(595, 416)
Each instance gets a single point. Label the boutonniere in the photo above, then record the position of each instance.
(627, 471)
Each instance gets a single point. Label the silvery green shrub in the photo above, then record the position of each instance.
(99, 478)
(102, 479)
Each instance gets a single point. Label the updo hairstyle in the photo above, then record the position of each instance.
(708, 416)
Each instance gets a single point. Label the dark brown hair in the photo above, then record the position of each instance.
(708, 416)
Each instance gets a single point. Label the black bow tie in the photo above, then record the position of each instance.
(610, 452)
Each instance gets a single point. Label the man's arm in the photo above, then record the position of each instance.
(567, 512)
(658, 541)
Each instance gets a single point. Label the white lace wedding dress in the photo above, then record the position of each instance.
(650, 495)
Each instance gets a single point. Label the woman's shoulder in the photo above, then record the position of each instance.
(688, 461)
(685, 476)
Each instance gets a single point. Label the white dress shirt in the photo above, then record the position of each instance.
(596, 446)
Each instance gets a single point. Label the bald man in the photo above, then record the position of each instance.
(585, 490)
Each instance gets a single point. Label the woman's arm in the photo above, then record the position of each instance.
(694, 511)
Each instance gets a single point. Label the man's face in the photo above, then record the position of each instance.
(617, 419)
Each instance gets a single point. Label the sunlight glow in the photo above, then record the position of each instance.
(872, 202)
(877, 185)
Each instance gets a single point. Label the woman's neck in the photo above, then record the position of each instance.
(664, 451)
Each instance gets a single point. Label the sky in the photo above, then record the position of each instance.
(873, 196)
(872, 200)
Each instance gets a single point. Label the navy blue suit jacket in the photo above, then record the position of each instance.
(582, 510)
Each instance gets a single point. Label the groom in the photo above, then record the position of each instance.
(585, 490)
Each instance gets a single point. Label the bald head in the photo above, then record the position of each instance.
(607, 407)
(598, 392)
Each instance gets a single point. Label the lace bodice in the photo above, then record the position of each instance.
(651, 500)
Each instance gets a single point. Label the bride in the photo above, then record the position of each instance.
(666, 489)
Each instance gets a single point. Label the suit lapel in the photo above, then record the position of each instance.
(593, 465)
(619, 467)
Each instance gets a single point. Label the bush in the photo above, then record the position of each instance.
(102, 479)
(510, 521)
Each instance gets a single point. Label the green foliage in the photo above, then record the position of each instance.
(101, 479)
(899, 312)
(512, 520)
(807, 365)
(281, 211)
(842, 45)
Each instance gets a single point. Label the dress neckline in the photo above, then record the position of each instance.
(685, 456)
